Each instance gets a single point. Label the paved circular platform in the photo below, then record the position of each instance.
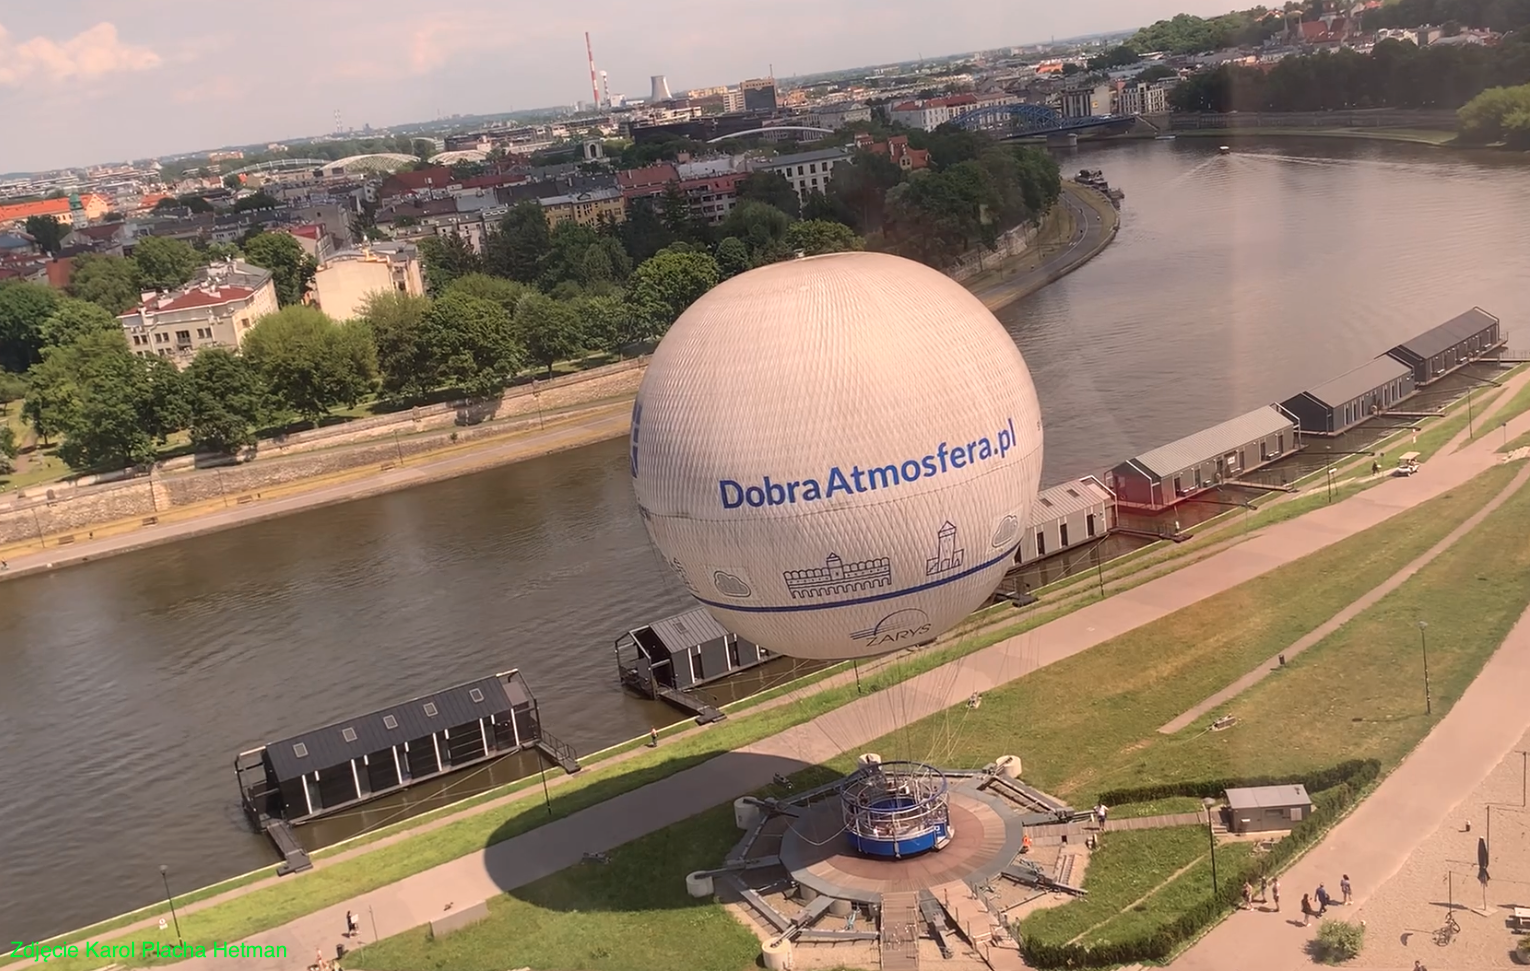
(987, 839)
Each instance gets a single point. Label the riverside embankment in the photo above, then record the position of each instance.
(41, 527)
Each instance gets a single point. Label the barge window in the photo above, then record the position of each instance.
(430, 709)
(476, 695)
(300, 750)
(349, 734)
(390, 722)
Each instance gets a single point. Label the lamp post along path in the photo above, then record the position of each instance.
(1423, 644)
(164, 874)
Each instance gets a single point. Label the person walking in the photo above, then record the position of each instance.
(350, 924)
(1308, 912)
(1248, 895)
(1346, 889)
(1275, 893)
(1103, 811)
(1264, 888)
(1323, 900)
(653, 737)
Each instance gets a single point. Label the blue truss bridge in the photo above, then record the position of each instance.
(1032, 121)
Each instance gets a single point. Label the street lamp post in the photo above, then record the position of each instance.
(164, 874)
(1469, 433)
(1330, 485)
(1423, 644)
(546, 798)
(1211, 837)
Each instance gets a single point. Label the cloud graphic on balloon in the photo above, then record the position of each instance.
(731, 585)
(1009, 528)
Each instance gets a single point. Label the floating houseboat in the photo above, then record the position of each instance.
(1341, 403)
(669, 658)
(305, 777)
(1457, 342)
(1172, 473)
(1066, 515)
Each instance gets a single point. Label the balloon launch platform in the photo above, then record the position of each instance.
(936, 842)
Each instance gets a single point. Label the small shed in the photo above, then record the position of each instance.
(1174, 472)
(318, 772)
(1264, 809)
(1460, 340)
(1066, 515)
(683, 652)
(1341, 403)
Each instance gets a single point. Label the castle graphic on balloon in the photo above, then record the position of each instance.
(817, 436)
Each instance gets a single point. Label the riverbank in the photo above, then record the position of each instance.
(1080, 229)
(1435, 138)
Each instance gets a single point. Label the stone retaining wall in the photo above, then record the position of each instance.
(68, 508)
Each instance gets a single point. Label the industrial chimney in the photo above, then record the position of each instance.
(660, 89)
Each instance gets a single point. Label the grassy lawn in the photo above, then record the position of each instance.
(1103, 706)
(1437, 433)
(1126, 867)
(631, 915)
(1174, 897)
(1512, 409)
(1167, 806)
(1519, 441)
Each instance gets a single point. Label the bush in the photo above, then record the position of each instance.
(1333, 791)
(1338, 941)
(1357, 772)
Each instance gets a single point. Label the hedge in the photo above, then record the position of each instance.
(1333, 790)
(1357, 772)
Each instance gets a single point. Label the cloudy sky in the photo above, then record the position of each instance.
(84, 81)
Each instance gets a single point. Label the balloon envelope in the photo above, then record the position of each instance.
(837, 455)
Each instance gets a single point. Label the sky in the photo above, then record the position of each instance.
(90, 81)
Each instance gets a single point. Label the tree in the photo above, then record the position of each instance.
(643, 233)
(548, 329)
(221, 251)
(761, 227)
(581, 255)
(732, 257)
(260, 199)
(310, 363)
(1155, 72)
(226, 399)
(519, 247)
(8, 450)
(291, 268)
(446, 258)
(233, 182)
(772, 189)
(193, 202)
(164, 263)
(73, 319)
(663, 286)
(1119, 56)
(13, 387)
(166, 405)
(506, 293)
(110, 406)
(861, 187)
(110, 282)
(814, 237)
(471, 344)
(48, 232)
(23, 309)
(1498, 115)
(395, 320)
(606, 322)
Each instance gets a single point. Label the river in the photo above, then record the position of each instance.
(127, 685)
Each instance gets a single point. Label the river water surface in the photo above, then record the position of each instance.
(127, 685)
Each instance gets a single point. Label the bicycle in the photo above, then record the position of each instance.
(1448, 933)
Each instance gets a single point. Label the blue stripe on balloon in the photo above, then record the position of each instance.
(797, 608)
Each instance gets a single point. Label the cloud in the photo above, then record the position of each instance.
(731, 585)
(86, 56)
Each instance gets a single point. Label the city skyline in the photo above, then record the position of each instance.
(87, 83)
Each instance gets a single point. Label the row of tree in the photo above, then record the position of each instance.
(1498, 115)
(1500, 15)
(1187, 34)
(1395, 74)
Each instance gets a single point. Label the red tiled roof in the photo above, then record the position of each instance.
(39, 207)
(437, 176)
(307, 231)
(192, 299)
(653, 175)
(150, 200)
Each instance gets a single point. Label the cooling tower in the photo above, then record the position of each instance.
(660, 89)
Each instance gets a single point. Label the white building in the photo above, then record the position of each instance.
(931, 113)
(834, 116)
(808, 172)
(1066, 516)
(1142, 99)
(342, 285)
(215, 310)
(1087, 102)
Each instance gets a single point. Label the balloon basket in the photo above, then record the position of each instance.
(894, 810)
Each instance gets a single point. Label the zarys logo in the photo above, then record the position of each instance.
(637, 419)
(898, 629)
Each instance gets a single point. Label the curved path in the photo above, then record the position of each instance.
(1095, 223)
(516, 862)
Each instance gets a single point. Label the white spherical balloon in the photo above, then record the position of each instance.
(837, 455)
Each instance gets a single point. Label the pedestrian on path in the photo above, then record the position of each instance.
(1248, 895)
(1308, 912)
(1323, 900)
(1345, 889)
(1264, 888)
(653, 737)
(1275, 893)
(350, 924)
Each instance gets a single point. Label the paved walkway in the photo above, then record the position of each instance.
(1346, 615)
(558, 845)
(601, 424)
(1095, 227)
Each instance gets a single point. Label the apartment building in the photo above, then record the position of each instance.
(215, 310)
(931, 113)
(808, 172)
(343, 283)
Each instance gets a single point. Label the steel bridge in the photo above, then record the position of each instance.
(1029, 121)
